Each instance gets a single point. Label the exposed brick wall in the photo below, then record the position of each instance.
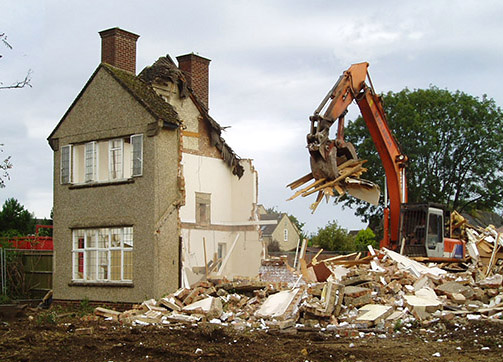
(118, 48)
(196, 69)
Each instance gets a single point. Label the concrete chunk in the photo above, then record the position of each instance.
(210, 307)
(279, 305)
(373, 313)
(453, 287)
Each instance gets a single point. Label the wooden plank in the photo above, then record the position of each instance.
(342, 176)
(301, 181)
(190, 134)
(315, 204)
(313, 260)
(300, 192)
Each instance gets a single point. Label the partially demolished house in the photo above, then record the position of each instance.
(148, 196)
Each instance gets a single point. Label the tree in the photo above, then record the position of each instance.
(18, 84)
(5, 165)
(333, 237)
(364, 238)
(454, 143)
(15, 220)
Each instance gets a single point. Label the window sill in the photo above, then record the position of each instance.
(99, 184)
(114, 284)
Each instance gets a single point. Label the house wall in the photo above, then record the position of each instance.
(233, 202)
(106, 110)
(278, 234)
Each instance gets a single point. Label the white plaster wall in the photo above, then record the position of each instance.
(244, 259)
(210, 175)
(244, 192)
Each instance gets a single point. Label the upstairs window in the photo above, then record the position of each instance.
(102, 161)
(285, 234)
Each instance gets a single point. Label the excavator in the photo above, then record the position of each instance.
(413, 229)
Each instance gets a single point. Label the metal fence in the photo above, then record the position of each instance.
(25, 273)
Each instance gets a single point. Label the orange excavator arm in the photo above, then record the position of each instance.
(326, 154)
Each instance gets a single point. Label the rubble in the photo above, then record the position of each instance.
(343, 293)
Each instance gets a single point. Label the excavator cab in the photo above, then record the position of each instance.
(425, 232)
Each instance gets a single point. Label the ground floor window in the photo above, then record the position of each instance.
(103, 254)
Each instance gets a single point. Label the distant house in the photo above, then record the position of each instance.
(283, 234)
(146, 191)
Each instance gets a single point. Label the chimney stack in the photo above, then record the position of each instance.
(196, 69)
(118, 48)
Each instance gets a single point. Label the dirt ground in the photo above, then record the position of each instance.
(49, 336)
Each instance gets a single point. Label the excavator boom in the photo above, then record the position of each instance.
(328, 155)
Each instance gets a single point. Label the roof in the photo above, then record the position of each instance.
(268, 229)
(164, 70)
(139, 89)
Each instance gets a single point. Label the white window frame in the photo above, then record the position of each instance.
(85, 251)
(119, 174)
(285, 234)
(90, 161)
(136, 155)
(66, 162)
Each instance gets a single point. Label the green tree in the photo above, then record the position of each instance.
(363, 238)
(333, 237)
(15, 220)
(454, 143)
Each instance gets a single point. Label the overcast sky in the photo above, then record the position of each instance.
(272, 62)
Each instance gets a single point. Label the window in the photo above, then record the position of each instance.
(102, 161)
(285, 234)
(90, 162)
(116, 159)
(203, 208)
(103, 255)
(137, 155)
(66, 164)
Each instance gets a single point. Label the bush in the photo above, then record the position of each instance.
(363, 238)
(333, 238)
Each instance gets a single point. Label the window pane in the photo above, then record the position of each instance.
(128, 265)
(115, 265)
(137, 164)
(103, 265)
(115, 159)
(115, 235)
(91, 239)
(91, 265)
(90, 162)
(128, 237)
(66, 164)
(78, 239)
(78, 266)
(103, 238)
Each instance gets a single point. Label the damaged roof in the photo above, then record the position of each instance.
(164, 71)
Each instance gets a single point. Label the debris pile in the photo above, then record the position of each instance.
(342, 294)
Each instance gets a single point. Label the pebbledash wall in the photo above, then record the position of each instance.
(107, 111)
